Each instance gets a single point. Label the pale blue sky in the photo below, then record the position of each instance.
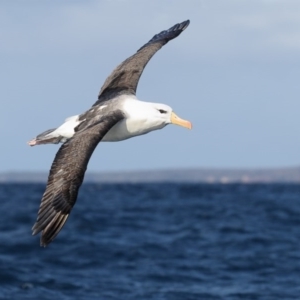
(234, 73)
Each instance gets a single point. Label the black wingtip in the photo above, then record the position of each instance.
(180, 26)
(172, 32)
(35, 229)
(169, 34)
(185, 24)
(43, 244)
(49, 227)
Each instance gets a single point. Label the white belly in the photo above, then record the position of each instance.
(121, 131)
(129, 128)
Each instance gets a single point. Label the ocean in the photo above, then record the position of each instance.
(155, 241)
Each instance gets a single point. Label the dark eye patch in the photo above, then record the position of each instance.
(162, 111)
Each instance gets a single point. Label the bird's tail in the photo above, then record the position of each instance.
(45, 138)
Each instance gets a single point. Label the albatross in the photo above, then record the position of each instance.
(116, 115)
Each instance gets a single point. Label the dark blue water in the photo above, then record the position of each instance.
(155, 241)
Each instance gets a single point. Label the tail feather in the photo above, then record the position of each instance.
(45, 138)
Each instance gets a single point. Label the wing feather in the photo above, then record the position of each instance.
(124, 79)
(66, 176)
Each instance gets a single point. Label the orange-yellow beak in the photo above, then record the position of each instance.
(176, 120)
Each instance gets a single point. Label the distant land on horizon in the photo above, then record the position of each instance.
(197, 175)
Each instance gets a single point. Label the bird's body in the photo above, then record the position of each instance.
(117, 115)
(137, 121)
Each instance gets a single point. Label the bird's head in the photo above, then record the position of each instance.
(165, 115)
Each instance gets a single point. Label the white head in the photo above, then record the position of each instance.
(143, 117)
(162, 115)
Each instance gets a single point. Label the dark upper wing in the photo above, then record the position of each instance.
(66, 176)
(124, 79)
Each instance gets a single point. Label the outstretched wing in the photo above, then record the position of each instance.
(66, 176)
(124, 79)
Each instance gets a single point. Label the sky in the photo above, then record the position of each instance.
(234, 73)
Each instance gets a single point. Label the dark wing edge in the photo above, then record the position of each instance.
(125, 77)
(66, 176)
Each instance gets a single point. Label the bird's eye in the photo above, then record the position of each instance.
(162, 111)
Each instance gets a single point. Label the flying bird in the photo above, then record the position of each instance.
(116, 115)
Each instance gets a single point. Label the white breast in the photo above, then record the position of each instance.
(138, 120)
